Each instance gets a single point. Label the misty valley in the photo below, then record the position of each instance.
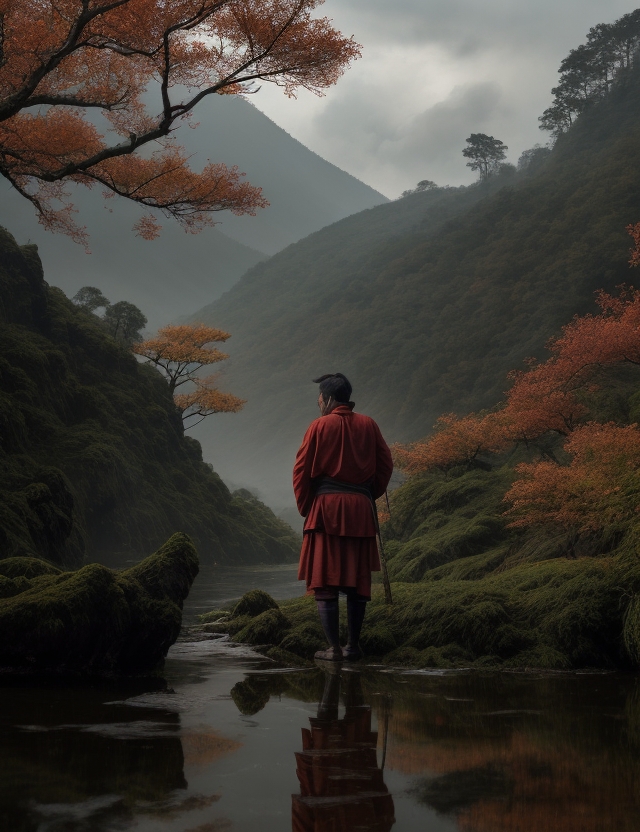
(436, 623)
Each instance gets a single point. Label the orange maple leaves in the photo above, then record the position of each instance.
(601, 483)
(61, 60)
(179, 352)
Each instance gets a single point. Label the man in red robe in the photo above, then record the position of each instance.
(343, 465)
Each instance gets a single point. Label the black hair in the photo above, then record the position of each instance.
(334, 386)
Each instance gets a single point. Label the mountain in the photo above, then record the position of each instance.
(172, 276)
(430, 318)
(93, 457)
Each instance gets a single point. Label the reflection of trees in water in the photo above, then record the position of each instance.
(526, 755)
(498, 752)
(89, 765)
(253, 693)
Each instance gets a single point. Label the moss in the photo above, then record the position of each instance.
(378, 640)
(97, 621)
(26, 568)
(214, 616)
(438, 519)
(253, 603)
(267, 628)
(304, 640)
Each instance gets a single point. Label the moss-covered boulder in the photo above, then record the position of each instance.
(267, 628)
(97, 621)
(253, 603)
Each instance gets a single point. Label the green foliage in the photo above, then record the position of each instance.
(92, 451)
(96, 621)
(588, 73)
(485, 153)
(124, 321)
(90, 298)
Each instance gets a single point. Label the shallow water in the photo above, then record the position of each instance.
(227, 741)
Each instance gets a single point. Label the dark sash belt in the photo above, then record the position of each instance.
(327, 485)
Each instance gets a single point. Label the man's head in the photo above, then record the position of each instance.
(334, 388)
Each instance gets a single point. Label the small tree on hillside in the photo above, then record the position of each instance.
(90, 298)
(423, 185)
(124, 321)
(485, 153)
(179, 352)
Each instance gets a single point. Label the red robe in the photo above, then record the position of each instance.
(339, 541)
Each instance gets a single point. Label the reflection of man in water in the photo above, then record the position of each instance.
(341, 786)
(342, 466)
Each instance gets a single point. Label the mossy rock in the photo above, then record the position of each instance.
(268, 628)
(26, 568)
(253, 603)
(13, 586)
(304, 640)
(97, 621)
(214, 616)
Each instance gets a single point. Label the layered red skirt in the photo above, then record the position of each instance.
(332, 555)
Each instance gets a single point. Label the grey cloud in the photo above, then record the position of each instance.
(469, 26)
(426, 146)
(505, 53)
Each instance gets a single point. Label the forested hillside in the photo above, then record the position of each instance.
(424, 322)
(179, 272)
(93, 459)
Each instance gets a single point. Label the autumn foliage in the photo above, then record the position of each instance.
(601, 483)
(179, 352)
(144, 65)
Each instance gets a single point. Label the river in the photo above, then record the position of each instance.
(228, 741)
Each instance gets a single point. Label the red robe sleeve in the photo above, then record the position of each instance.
(302, 482)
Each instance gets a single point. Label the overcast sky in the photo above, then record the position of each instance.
(432, 72)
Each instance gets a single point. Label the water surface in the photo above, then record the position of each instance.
(227, 741)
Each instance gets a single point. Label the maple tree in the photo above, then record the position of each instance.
(61, 60)
(179, 352)
(600, 483)
(599, 487)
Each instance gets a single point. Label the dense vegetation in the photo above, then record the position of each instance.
(93, 458)
(425, 323)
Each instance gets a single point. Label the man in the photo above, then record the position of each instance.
(343, 465)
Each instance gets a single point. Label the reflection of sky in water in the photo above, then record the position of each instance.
(213, 748)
